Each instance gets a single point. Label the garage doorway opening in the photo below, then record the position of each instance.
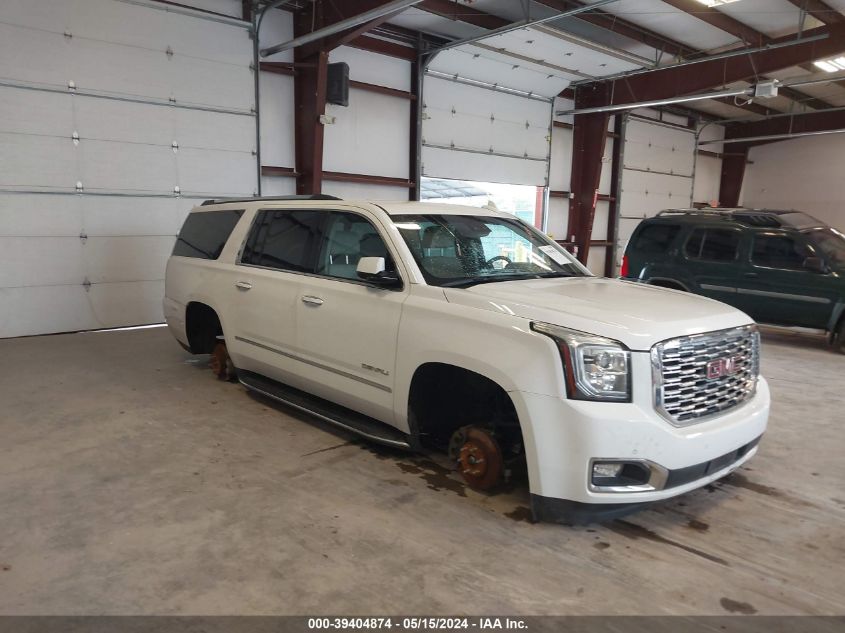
(524, 201)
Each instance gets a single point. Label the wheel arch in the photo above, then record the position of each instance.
(203, 324)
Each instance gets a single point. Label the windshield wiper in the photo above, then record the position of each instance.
(466, 283)
(556, 274)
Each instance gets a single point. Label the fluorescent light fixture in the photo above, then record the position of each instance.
(831, 65)
(716, 3)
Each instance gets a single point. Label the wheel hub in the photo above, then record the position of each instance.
(480, 459)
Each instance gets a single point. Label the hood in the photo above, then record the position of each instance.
(635, 314)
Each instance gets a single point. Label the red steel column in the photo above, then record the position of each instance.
(733, 172)
(588, 140)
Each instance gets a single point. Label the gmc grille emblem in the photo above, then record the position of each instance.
(722, 367)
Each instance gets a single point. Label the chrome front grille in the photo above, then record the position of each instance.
(686, 385)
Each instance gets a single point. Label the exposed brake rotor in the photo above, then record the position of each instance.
(479, 458)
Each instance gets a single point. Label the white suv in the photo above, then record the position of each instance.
(465, 329)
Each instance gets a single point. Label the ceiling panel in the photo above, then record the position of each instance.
(472, 62)
(772, 17)
(660, 17)
(536, 44)
(832, 93)
(426, 22)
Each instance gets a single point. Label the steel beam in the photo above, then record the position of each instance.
(666, 83)
(415, 130)
(589, 136)
(310, 98)
(616, 167)
(778, 126)
(733, 173)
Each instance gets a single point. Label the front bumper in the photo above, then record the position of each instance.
(563, 436)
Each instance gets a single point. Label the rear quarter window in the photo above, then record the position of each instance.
(713, 245)
(655, 238)
(205, 233)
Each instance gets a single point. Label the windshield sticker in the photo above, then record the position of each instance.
(555, 255)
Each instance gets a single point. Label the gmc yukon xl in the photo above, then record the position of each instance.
(427, 326)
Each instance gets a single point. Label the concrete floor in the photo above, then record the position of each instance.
(131, 482)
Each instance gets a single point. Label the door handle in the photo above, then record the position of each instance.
(749, 275)
(312, 301)
(243, 285)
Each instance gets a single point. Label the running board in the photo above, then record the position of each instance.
(347, 419)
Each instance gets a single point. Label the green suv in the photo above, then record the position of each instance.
(779, 267)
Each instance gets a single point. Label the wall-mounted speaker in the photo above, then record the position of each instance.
(337, 88)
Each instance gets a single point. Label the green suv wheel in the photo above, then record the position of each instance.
(839, 341)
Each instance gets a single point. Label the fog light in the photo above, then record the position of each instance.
(622, 476)
(605, 469)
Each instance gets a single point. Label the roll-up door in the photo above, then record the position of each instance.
(116, 116)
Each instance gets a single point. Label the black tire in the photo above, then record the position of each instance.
(839, 340)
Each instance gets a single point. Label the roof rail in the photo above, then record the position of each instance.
(721, 212)
(754, 217)
(317, 196)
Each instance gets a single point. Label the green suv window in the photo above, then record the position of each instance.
(656, 238)
(715, 245)
(779, 251)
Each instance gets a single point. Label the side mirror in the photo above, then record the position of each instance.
(372, 270)
(815, 264)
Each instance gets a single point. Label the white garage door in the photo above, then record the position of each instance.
(487, 111)
(658, 168)
(116, 116)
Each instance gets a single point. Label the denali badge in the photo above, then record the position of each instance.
(722, 367)
(378, 370)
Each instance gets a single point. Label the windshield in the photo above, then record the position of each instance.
(831, 242)
(463, 250)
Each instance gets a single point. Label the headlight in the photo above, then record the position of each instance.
(595, 368)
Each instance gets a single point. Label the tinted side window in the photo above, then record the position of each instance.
(655, 238)
(347, 238)
(286, 240)
(779, 251)
(204, 233)
(715, 245)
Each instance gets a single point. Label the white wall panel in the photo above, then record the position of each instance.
(558, 221)
(801, 173)
(493, 67)
(222, 173)
(560, 172)
(28, 162)
(277, 122)
(595, 260)
(361, 191)
(278, 186)
(644, 194)
(69, 216)
(708, 173)
(32, 310)
(370, 136)
(658, 168)
(374, 69)
(444, 163)
(655, 147)
(66, 258)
